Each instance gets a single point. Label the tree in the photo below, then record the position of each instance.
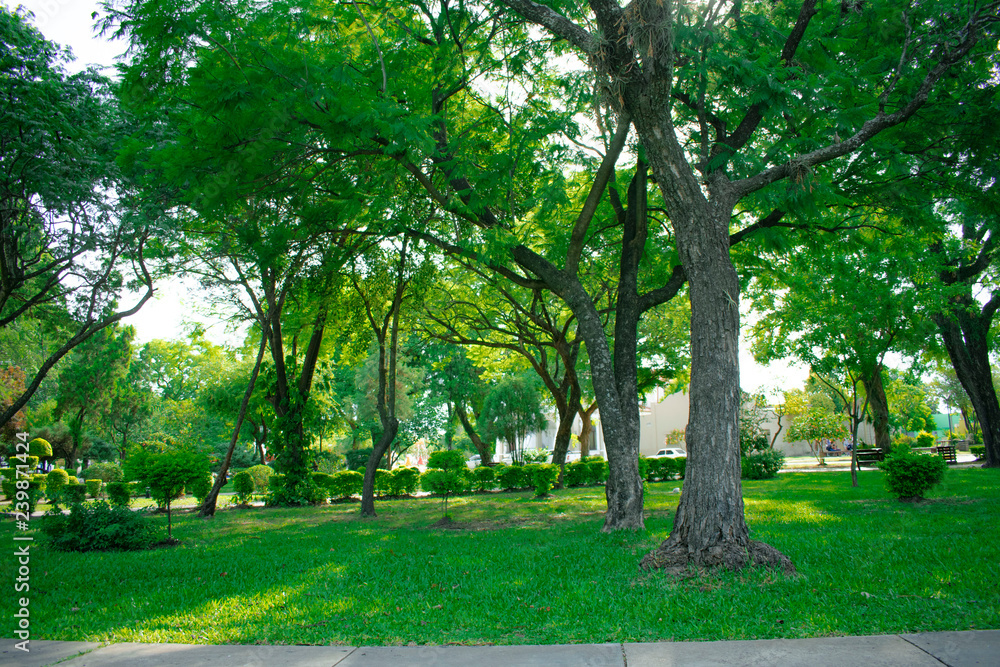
(169, 471)
(511, 412)
(87, 384)
(69, 237)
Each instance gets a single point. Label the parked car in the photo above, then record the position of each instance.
(669, 453)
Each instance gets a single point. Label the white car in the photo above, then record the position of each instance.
(669, 453)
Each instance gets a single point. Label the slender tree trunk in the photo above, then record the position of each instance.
(586, 429)
(209, 504)
(485, 456)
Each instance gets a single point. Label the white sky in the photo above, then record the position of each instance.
(176, 305)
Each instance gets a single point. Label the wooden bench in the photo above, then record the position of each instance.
(870, 457)
(947, 452)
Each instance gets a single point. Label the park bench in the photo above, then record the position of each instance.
(870, 457)
(947, 452)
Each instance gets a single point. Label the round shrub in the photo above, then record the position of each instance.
(55, 481)
(243, 485)
(441, 482)
(484, 478)
(74, 493)
(106, 472)
(94, 487)
(925, 439)
(448, 459)
(979, 451)
(345, 484)
(98, 526)
(909, 476)
(39, 447)
(260, 474)
(200, 487)
(120, 493)
(543, 477)
(762, 465)
(405, 480)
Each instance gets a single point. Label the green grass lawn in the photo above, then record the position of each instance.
(519, 570)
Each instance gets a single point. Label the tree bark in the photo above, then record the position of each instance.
(879, 407)
(965, 336)
(207, 509)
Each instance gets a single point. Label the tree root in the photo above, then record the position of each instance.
(675, 558)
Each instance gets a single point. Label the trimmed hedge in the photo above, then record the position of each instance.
(404, 481)
(979, 451)
(120, 493)
(345, 484)
(55, 481)
(484, 478)
(762, 465)
(511, 478)
(260, 474)
(94, 487)
(543, 477)
(74, 493)
(106, 472)
(909, 476)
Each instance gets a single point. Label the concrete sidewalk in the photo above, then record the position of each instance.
(956, 649)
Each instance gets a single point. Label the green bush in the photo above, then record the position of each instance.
(405, 480)
(441, 482)
(73, 493)
(448, 459)
(346, 483)
(577, 474)
(243, 486)
(275, 483)
(644, 468)
(357, 459)
(484, 478)
(24, 493)
(680, 465)
(94, 487)
(925, 439)
(543, 477)
(762, 465)
(8, 473)
(39, 447)
(536, 456)
(98, 526)
(909, 476)
(511, 478)
(55, 481)
(979, 451)
(322, 479)
(383, 482)
(120, 493)
(260, 475)
(597, 471)
(200, 487)
(284, 493)
(106, 472)
(8, 488)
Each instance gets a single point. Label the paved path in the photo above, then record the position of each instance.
(979, 648)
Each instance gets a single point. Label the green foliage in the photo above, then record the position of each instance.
(484, 478)
(644, 468)
(8, 488)
(260, 474)
(902, 441)
(543, 477)
(448, 459)
(286, 492)
(597, 470)
(577, 473)
(73, 493)
(119, 493)
(94, 487)
(244, 487)
(909, 476)
(537, 456)
(383, 482)
(40, 447)
(346, 483)
(55, 481)
(511, 411)
(979, 451)
(680, 465)
(168, 472)
(443, 482)
(762, 464)
(106, 472)
(925, 439)
(24, 493)
(404, 481)
(98, 526)
(357, 459)
(200, 487)
(275, 482)
(511, 478)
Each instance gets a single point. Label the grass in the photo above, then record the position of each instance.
(520, 570)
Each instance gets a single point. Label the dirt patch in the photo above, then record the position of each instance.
(678, 561)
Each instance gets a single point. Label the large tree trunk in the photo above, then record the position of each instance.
(879, 407)
(966, 339)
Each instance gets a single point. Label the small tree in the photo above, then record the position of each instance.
(512, 411)
(450, 462)
(813, 426)
(169, 471)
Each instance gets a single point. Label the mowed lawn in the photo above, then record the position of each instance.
(518, 570)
